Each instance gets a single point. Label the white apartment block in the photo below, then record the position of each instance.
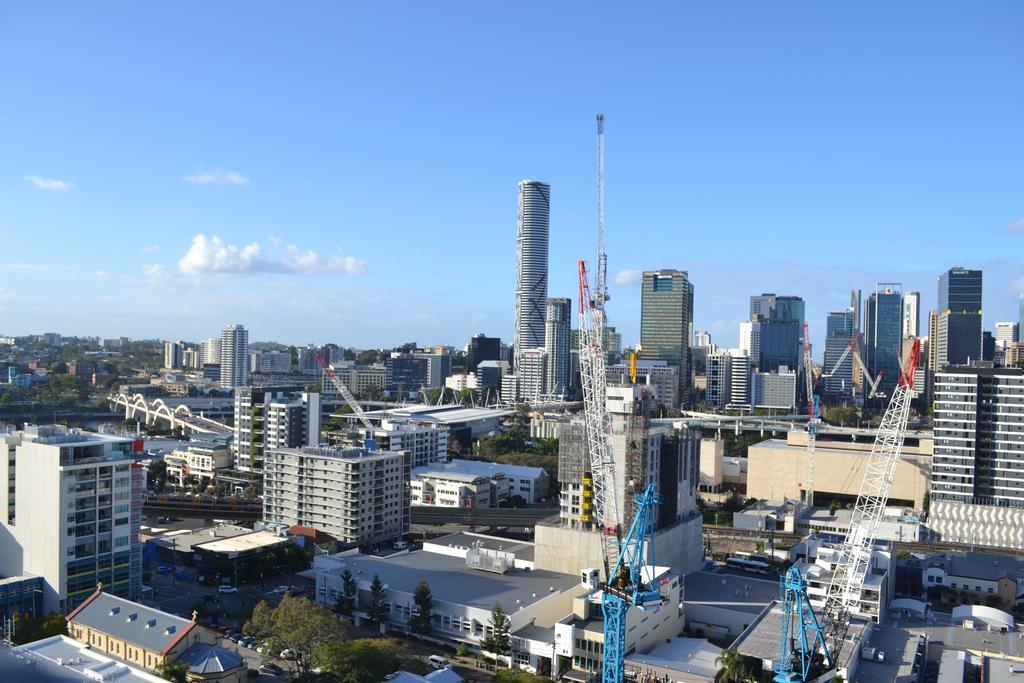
(426, 444)
(200, 460)
(71, 512)
(773, 390)
(268, 418)
(270, 362)
(359, 379)
(532, 374)
(475, 483)
(879, 584)
(728, 379)
(358, 496)
(234, 357)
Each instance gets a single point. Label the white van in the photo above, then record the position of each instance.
(437, 662)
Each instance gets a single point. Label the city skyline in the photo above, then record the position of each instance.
(198, 204)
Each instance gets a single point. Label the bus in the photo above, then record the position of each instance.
(747, 562)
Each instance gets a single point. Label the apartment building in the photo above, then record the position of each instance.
(200, 460)
(356, 495)
(426, 444)
(273, 417)
(73, 513)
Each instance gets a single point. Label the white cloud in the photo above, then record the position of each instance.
(628, 278)
(101, 275)
(150, 249)
(216, 176)
(23, 268)
(49, 183)
(155, 271)
(1016, 226)
(212, 256)
(6, 294)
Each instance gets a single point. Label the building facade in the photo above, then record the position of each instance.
(532, 236)
(666, 321)
(839, 331)
(883, 334)
(556, 342)
(977, 493)
(358, 496)
(273, 417)
(912, 314)
(234, 357)
(959, 332)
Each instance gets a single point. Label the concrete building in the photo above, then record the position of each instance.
(773, 390)
(975, 578)
(959, 325)
(65, 660)
(173, 354)
(701, 338)
(977, 492)
(722, 606)
(145, 637)
(912, 314)
(357, 496)
(532, 235)
(900, 525)
(728, 379)
(270, 362)
(777, 468)
(426, 444)
(556, 342)
(878, 587)
(666, 321)
(73, 512)
(438, 483)
(532, 374)
(361, 380)
(273, 417)
(200, 460)
(209, 352)
(464, 424)
(234, 357)
(657, 376)
(490, 375)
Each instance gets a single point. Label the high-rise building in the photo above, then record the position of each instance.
(532, 374)
(883, 334)
(234, 357)
(855, 306)
(556, 341)
(1020, 310)
(209, 352)
(912, 314)
(273, 417)
(406, 372)
(612, 344)
(977, 489)
(270, 362)
(1007, 332)
(481, 348)
(838, 336)
(532, 264)
(773, 390)
(666, 320)
(358, 496)
(702, 338)
(773, 337)
(190, 358)
(728, 379)
(959, 333)
(71, 512)
(174, 355)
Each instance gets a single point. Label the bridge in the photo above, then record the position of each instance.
(185, 414)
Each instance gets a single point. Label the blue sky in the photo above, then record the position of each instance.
(801, 148)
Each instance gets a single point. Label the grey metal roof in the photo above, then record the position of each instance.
(137, 624)
(739, 593)
(984, 566)
(206, 659)
(452, 582)
(523, 550)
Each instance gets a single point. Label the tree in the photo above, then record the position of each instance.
(519, 676)
(419, 623)
(171, 669)
(927, 501)
(297, 624)
(157, 474)
(734, 666)
(367, 660)
(347, 599)
(499, 641)
(378, 610)
(28, 629)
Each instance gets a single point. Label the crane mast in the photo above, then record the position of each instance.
(601, 285)
(812, 417)
(855, 552)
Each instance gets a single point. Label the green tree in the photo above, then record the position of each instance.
(347, 599)
(28, 629)
(926, 503)
(296, 624)
(368, 357)
(171, 669)
(420, 622)
(367, 660)
(499, 641)
(518, 676)
(378, 610)
(734, 665)
(157, 474)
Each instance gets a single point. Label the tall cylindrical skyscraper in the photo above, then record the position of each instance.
(532, 264)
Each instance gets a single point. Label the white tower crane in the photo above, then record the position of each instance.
(345, 393)
(812, 417)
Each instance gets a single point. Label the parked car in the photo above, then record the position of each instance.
(227, 589)
(287, 654)
(280, 590)
(437, 662)
(271, 669)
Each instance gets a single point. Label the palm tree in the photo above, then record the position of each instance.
(734, 666)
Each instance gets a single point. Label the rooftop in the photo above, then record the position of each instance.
(145, 627)
(490, 469)
(254, 540)
(442, 414)
(183, 541)
(523, 550)
(900, 648)
(985, 566)
(451, 581)
(682, 656)
(739, 593)
(210, 659)
(761, 639)
(59, 658)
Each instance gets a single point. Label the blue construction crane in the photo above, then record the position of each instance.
(626, 586)
(801, 632)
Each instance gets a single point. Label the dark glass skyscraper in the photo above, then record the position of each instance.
(959, 325)
(482, 348)
(666, 318)
(883, 334)
(778, 325)
(839, 329)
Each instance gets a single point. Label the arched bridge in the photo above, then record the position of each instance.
(178, 414)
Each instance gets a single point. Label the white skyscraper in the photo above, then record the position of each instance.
(532, 264)
(174, 354)
(234, 357)
(209, 352)
(912, 314)
(1006, 333)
